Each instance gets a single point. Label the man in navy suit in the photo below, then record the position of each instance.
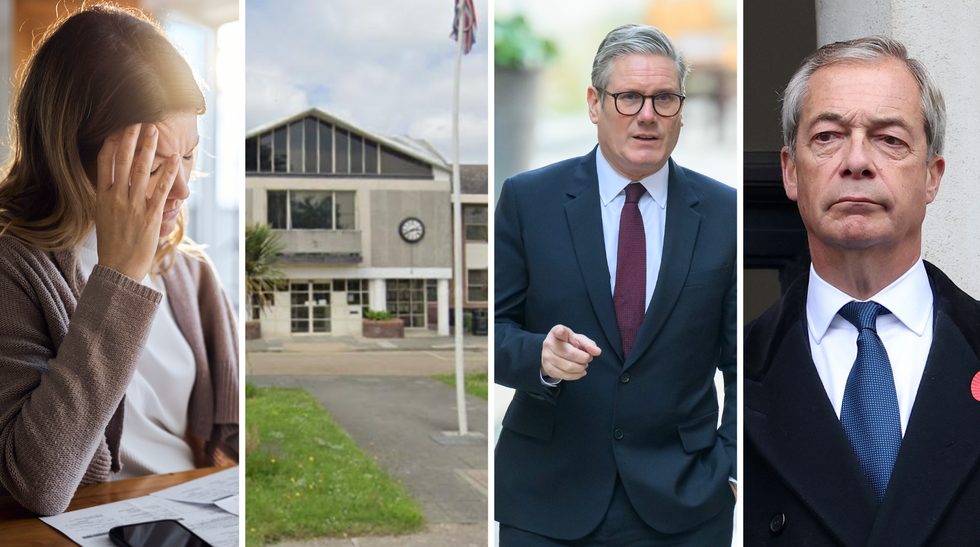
(861, 426)
(615, 306)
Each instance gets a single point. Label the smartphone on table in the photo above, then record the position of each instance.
(158, 533)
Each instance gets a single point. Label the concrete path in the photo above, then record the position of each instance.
(413, 341)
(323, 361)
(440, 535)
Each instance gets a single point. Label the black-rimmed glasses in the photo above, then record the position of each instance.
(630, 103)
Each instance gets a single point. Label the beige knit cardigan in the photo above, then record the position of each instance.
(69, 350)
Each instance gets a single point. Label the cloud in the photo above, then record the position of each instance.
(385, 65)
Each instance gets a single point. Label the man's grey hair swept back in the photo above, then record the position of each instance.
(635, 39)
(872, 49)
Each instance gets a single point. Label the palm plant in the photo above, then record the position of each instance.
(262, 271)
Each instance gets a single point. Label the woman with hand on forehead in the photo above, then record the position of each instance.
(118, 347)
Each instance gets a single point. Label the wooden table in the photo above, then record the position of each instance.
(20, 527)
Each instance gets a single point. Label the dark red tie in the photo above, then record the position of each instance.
(630, 294)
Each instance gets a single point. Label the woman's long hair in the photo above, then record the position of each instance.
(92, 73)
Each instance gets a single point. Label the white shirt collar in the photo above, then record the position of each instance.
(909, 298)
(611, 183)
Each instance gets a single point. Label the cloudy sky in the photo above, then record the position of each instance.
(386, 66)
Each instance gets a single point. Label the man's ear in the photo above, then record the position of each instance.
(595, 103)
(789, 173)
(937, 166)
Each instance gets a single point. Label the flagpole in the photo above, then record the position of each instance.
(457, 232)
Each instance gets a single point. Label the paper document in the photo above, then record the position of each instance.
(207, 489)
(219, 527)
(229, 504)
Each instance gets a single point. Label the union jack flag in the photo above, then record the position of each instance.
(469, 23)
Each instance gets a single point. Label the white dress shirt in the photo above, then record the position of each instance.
(906, 334)
(653, 209)
(157, 397)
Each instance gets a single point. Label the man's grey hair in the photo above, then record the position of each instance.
(873, 49)
(634, 39)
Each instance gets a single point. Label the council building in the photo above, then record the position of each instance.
(366, 223)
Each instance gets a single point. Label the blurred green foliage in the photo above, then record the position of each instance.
(517, 47)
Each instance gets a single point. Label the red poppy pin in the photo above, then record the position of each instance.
(975, 387)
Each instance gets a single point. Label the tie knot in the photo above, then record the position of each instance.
(634, 191)
(862, 314)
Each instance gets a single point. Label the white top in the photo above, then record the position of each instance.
(158, 396)
(906, 334)
(653, 209)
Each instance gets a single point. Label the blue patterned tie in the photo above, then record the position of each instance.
(870, 410)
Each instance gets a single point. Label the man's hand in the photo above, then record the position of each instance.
(734, 489)
(565, 355)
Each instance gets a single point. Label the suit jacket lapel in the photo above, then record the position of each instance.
(584, 216)
(796, 430)
(680, 234)
(941, 446)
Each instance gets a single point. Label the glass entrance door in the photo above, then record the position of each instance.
(310, 307)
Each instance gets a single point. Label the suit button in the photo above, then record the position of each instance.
(624, 378)
(618, 433)
(777, 523)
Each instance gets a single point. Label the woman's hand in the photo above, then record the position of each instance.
(127, 218)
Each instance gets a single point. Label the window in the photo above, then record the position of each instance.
(310, 145)
(311, 210)
(476, 285)
(326, 148)
(357, 292)
(396, 163)
(356, 154)
(406, 300)
(370, 157)
(252, 154)
(265, 152)
(296, 147)
(279, 147)
(475, 222)
(342, 150)
(277, 200)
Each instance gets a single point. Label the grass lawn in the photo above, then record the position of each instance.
(476, 382)
(305, 478)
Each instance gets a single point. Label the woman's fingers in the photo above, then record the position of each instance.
(163, 186)
(124, 159)
(143, 166)
(107, 157)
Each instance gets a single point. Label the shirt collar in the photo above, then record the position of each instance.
(611, 183)
(909, 298)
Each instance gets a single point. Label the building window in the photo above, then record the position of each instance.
(476, 286)
(396, 163)
(296, 147)
(342, 150)
(357, 293)
(370, 157)
(326, 148)
(279, 150)
(406, 300)
(265, 152)
(309, 307)
(277, 200)
(312, 146)
(311, 210)
(252, 154)
(475, 222)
